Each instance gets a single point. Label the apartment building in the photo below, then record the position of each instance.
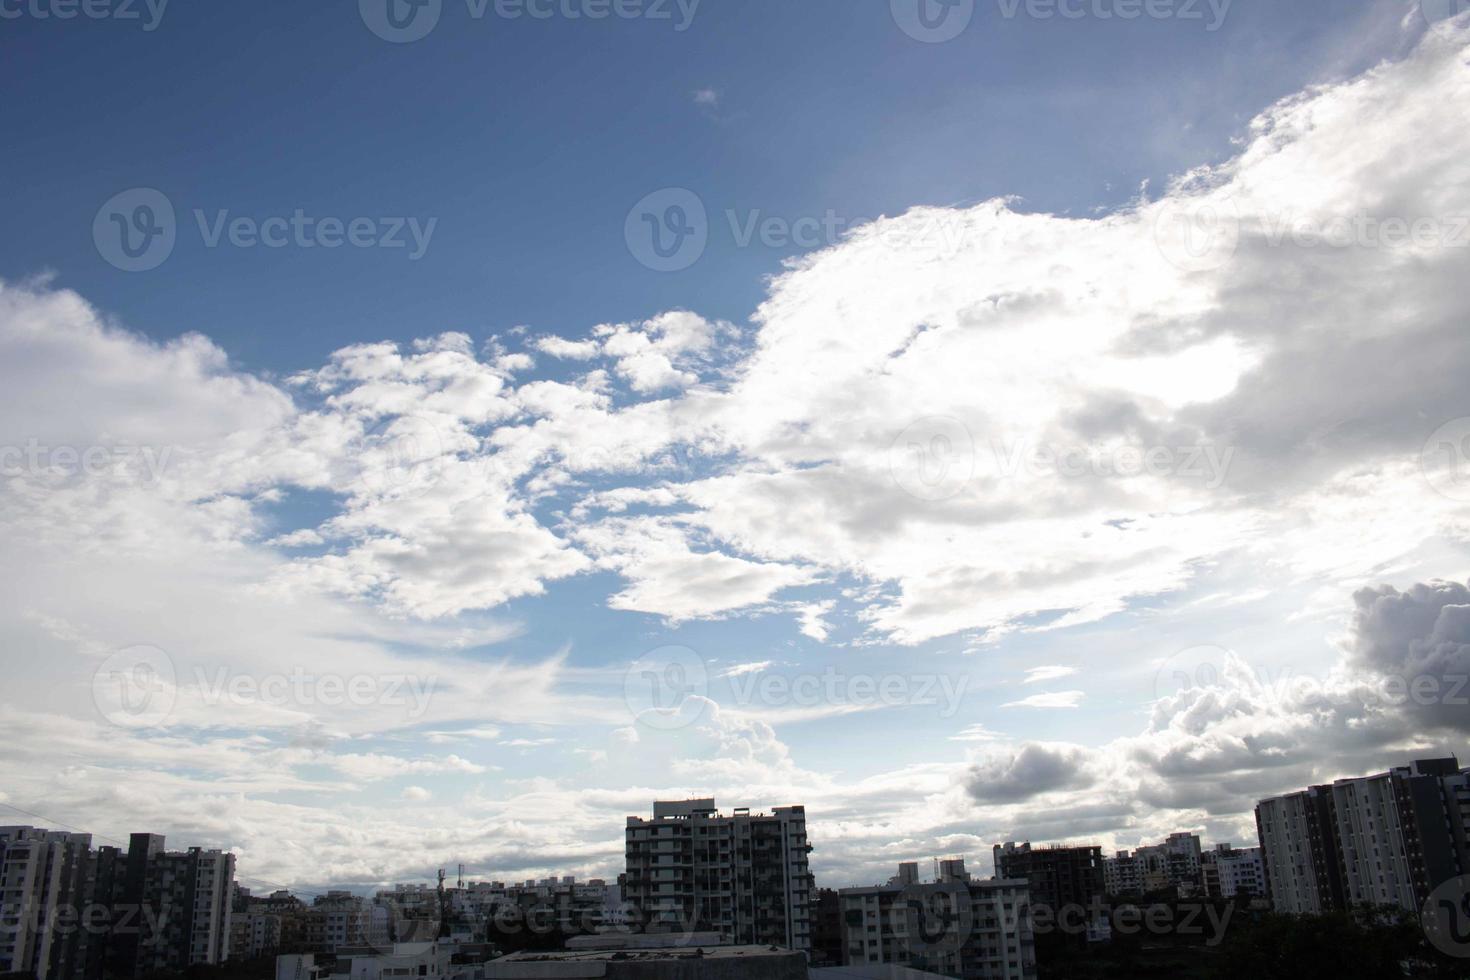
(1232, 872)
(174, 907)
(41, 877)
(1173, 865)
(1059, 876)
(254, 934)
(1122, 874)
(975, 930)
(1385, 839)
(744, 874)
(68, 912)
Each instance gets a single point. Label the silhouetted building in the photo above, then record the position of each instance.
(1057, 876)
(827, 929)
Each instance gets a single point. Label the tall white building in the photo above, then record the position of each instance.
(1297, 849)
(1385, 839)
(41, 873)
(745, 875)
(958, 927)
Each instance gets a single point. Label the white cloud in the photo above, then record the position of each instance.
(883, 430)
(1053, 699)
(571, 350)
(738, 670)
(1035, 675)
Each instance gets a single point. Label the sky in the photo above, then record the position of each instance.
(431, 433)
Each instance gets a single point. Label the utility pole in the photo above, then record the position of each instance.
(443, 908)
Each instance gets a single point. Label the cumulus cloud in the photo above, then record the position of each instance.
(1034, 769)
(1419, 640)
(892, 454)
(572, 350)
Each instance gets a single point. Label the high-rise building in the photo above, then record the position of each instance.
(1058, 876)
(1299, 851)
(70, 913)
(41, 877)
(745, 875)
(958, 927)
(180, 902)
(1385, 839)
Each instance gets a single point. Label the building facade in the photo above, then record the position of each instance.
(1232, 872)
(1058, 876)
(1385, 839)
(42, 873)
(1173, 865)
(68, 912)
(744, 875)
(975, 930)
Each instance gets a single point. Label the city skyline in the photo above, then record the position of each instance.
(414, 455)
(981, 867)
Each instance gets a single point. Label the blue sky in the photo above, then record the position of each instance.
(530, 140)
(512, 463)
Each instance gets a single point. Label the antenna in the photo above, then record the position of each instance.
(444, 931)
(461, 875)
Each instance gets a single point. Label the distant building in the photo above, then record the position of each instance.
(953, 869)
(744, 875)
(1057, 876)
(1231, 872)
(420, 960)
(761, 962)
(883, 971)
(908, 874)
(1385, 839)
(827, 947)
(978, 930)
(1173, 865)
(1123, 874)
(254, 934)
